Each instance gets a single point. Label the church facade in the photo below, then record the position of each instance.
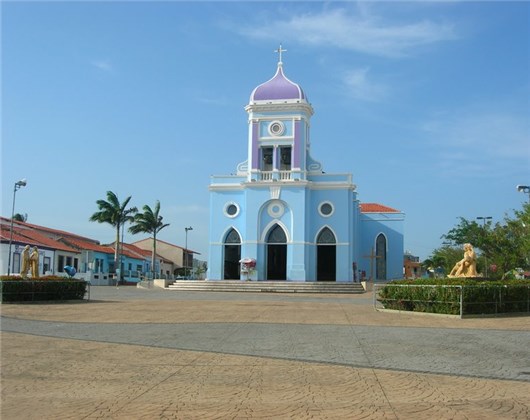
(281, 217)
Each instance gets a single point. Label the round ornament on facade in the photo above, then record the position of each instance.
(326, 209)
(276, 209)
(276, 128)
(231, 210)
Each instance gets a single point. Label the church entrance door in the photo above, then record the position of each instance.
(276, 262)
(232, 255)
(326, 263)
(276, 254)
(326, 256)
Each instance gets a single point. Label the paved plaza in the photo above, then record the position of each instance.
(133, 353)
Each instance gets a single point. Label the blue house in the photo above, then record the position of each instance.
(281, 217)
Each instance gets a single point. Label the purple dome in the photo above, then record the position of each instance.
(277, 88)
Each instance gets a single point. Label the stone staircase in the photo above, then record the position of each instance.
(266, 286)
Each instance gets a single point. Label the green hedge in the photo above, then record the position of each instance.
(16, 289)
(443, 296)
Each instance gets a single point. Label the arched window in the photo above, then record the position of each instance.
(276, 236)
(232, 237)
(380, 252)
(326, 236)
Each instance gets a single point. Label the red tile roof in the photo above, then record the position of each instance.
(146, 253)
(55, 232)
(376, 208)
(33, 238)
(43, 237)
(87, 245)
(166, 243)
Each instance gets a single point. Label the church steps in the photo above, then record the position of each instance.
(266, 286)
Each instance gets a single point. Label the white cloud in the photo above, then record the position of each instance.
(360, 87)
(360, 32)
(482, 143)
(103, 65)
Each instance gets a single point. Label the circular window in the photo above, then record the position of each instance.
(326, 209)
(231, 210)
(276, 128)
(276, 209)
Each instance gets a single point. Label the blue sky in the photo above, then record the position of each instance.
(425, 103)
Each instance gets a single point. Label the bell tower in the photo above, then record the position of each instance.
(278, 130)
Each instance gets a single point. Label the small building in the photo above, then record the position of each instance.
(179, 260)
(411, 266)
(93, 261)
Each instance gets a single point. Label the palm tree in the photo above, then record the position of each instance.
(149, 222)
(116, 214)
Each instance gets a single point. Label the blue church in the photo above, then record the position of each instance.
(281, 217)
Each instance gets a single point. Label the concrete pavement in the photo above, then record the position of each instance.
(136, 353)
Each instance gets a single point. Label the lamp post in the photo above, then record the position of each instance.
(484, 219)
(524, 189)
(18, 185)
(186, 252)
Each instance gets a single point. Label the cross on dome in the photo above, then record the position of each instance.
(279, 51)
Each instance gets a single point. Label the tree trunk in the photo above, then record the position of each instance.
(153, 256)
(117, 250)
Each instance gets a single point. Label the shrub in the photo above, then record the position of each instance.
(443, 296)
(17, 289)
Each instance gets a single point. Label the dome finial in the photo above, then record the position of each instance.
(279, 51)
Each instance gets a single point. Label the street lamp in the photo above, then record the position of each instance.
(524, 189)
(186, 252)
(484, 219)
(18, 185)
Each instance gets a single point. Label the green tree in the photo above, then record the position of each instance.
(513, 239)
(149, 222)
(467, 232)
(446, 257)
(504, 245)
(201, 269)
(20, 217)
(116, 214)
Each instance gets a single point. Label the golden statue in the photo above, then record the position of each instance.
(34, 262)
(25, 261)
(467, 266)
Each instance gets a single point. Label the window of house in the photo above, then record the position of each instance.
(47, 264)
(16, 262)
(60, 263)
